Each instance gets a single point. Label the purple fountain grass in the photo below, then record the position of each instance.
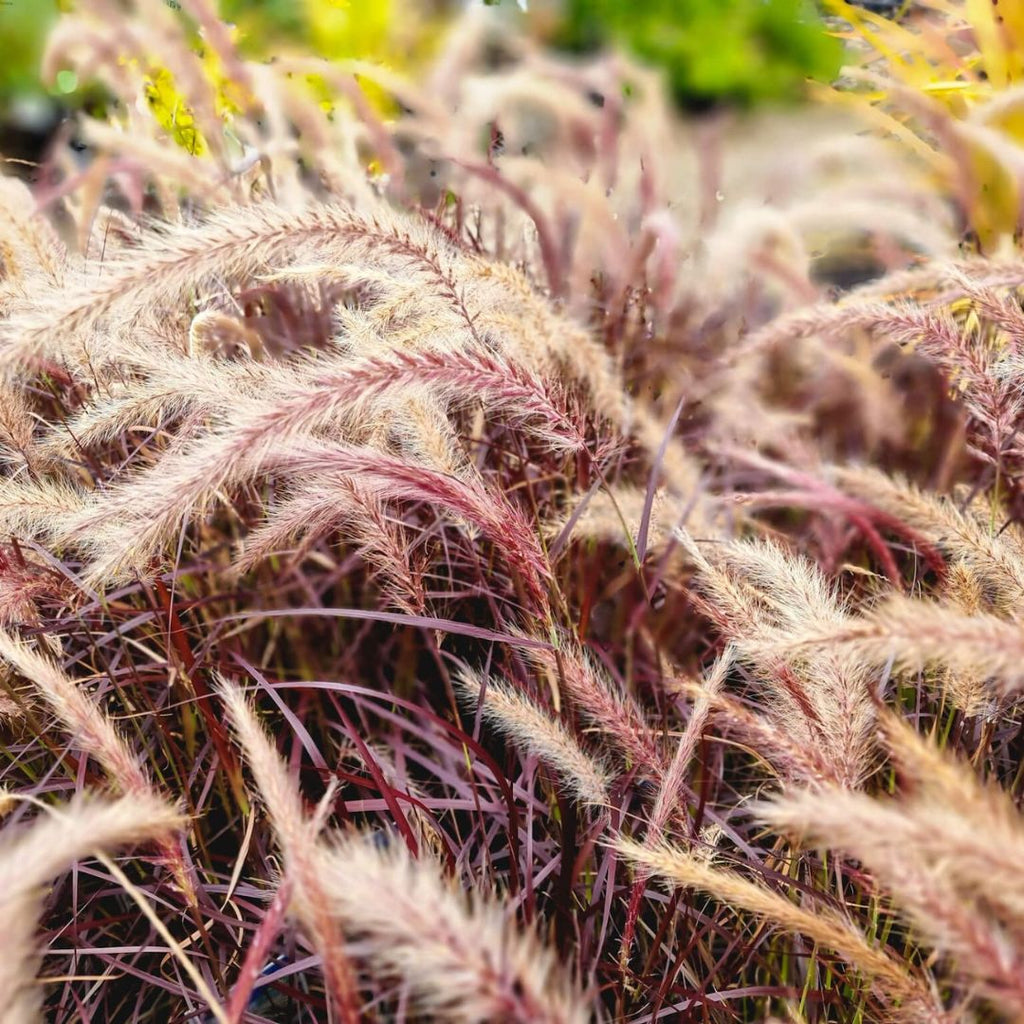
(532, 728)
(462, 958)
(577, 527)
(941, 861)
(30, 857)
(296, 834)
(907, 997)
(96, 736)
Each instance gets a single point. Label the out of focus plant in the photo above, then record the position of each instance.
(947, 80)
(394, 33)
(712, 50)
(23, 28)
(396, 36)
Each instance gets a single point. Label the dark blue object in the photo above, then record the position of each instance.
(265, 999)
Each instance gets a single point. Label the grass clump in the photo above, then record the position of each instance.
(533, 557)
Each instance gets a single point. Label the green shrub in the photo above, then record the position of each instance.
(23, 28)
(740, 50)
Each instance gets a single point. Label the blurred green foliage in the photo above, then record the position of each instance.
(23, 28)
(742, 51)
(263, 19)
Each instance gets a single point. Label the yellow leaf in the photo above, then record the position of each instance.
(904, 51)
(989, 36)
(994, 194)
